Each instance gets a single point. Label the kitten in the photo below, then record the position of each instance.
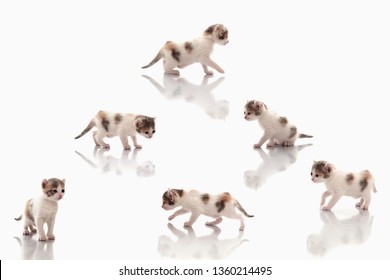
(198, 203)
(43, 210)
(339, 183)
(277, 129)
(122, 125)
(198, 50)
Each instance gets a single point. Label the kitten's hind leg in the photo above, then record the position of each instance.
(360, 203)
(94, 138)
(169, 68)
(215, 222)
(98, 137)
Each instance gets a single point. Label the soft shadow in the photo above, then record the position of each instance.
(276, 160)
(340, 232)
(176, 88)
(105, 162)
(189, 246)
(31, 249)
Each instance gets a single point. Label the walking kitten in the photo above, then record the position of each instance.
(339, 183)
(122, 125)
(43, 210)
(198, 50)
(277, 129)
(198, 203)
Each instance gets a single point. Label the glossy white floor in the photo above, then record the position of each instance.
(324, 66)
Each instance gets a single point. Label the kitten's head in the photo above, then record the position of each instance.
(253, 109)
(219, 33)
(53, 189)
(145, 126)
(320, 171)
(170, 198)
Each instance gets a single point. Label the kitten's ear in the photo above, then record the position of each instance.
(170, 194)
(138, 122)
(63, 181)
(44, 183)
(328, 167)
(258, 105)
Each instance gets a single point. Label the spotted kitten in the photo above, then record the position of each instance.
(339, 183)
(198, 50)
(198, 203)
(43, 210)
(277, 129)
(122, 125)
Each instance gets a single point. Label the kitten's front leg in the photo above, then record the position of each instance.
(41, 231)
(50, 228)
(177, 213)
(262, 140)
(134, 138)
(324, 196)
(332, 202)
(125, 141)
(191, 221)
(207, 61)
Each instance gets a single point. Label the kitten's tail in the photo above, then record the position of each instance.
(155, 59)
(301, 135)
(239, 207)
(18, 218)
(88, 128)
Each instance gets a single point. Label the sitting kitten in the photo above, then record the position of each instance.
(43, 210)
(339, 183)
(198, 50)
(277, 130)
(122, 125)
(198, 203)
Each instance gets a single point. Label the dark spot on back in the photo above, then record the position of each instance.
(118, 118)
(205, 198)
(283, 121)
(188, 46)
(105, 123)
(220, 205)
(349, 178)
(363, 184)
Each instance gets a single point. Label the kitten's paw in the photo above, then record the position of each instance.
(187, 224)
(127, 148)
(170, 218)
(241, 228)
(358, 204)
(138, 146)
(106, 146)
(51, 237)
(173, 72)
(221, 71)
(325, 208)
(256, 146)
(26, 232)
(42, 238)
(209, 73)
(365, 207)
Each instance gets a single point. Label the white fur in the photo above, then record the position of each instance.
(202, 48)
(275, 132)
(337, 186)
(191, 202)
(127, 126)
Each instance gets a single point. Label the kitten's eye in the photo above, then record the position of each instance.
(249, 114)
(146, 132)
(154, 131)
(317, 175)
(54, 191)
(63, 191)
(311, 174)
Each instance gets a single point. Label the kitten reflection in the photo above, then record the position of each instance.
(107, 163)
(189, 246)
(336, 232)
(278, 159)
(31, 249)
(200, 95)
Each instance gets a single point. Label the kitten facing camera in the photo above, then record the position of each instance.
(197, 203)
(122, 125)
(340, 183)
(43, 210)
(277, 129)
(180, 55)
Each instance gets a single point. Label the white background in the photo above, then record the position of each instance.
(323, 64)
